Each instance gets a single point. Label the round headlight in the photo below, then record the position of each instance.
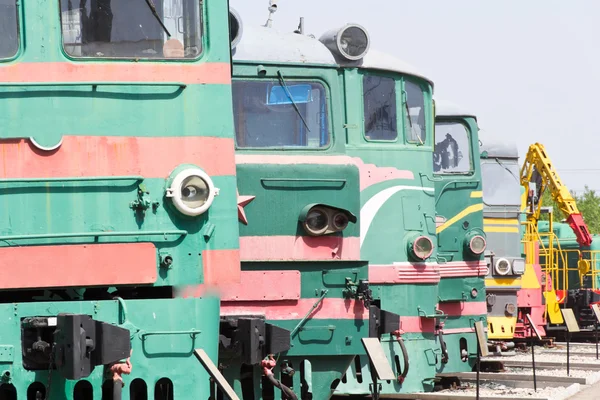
(477, 244)
(510, 308)
(340, 221)
(192, 192)
(351, 42)
(502, 266)
(316, 221)
(422, 247)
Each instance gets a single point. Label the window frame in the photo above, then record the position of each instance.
(202, 54)
(19, 20)
(397, 85)
(471, 170)
(288, 79)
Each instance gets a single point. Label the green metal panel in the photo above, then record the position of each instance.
(459, 289)
(283, 191)
(161, 343)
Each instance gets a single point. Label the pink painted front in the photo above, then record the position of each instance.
(298, 248)
(457, 269)
(221, 267)
(49, 72)
(463, 308)
(78, 265)
(333, 308)
(404, 273)
(417, 324)
(116, 156)
(263, 286)
(454, 331)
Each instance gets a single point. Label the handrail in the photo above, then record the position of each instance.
(93, 83)
(91, 234)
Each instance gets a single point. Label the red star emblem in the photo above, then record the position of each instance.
(243, 201)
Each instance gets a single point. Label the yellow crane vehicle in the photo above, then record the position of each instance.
(563, 274)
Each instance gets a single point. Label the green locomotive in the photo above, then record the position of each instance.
(461, 239)
(116, 139)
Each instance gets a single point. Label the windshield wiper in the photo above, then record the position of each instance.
(283, 85)
(155, 13)
(506, 168)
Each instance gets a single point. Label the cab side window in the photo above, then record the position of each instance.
(380, 111)
(9, 34)
(416, 129)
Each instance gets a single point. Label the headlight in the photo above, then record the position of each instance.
(502, 266)
(317, 221)
(510, 309)
(420, 248)
(477, 244)
(320, 219)
(351, 42)
(340, 221)
(518, 266)
(192, 192)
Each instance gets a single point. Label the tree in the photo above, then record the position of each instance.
(588, 204)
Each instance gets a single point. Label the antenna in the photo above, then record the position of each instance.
(300, 29)
(272, 9)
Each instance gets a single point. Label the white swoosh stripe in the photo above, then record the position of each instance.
(372, 206)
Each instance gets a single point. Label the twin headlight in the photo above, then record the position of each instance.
(192, 191)
(321, 219)
(503, 266)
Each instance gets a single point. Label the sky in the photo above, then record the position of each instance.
(528, 69)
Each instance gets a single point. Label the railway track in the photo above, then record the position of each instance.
(511, 377)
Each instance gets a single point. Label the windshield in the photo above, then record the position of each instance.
(9, 34)
(131, 28)
(501, 186)
(452, 153)
(278, 113)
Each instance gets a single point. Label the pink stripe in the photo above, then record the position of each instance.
(462, 308)
(417, 324)
(263, 286)
(458, 330)
(409, 274)
(370, 174)
(80, 265)
(116, 155)
(188, 73)
(298, 248)
(283, 310)
(221, 267)
(463, 268)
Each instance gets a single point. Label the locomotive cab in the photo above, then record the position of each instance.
(502, 208)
